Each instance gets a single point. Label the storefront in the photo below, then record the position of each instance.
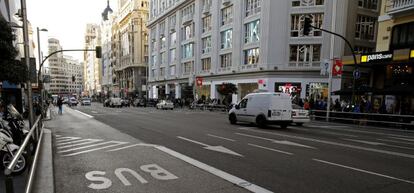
(390, 85)
(246, 88)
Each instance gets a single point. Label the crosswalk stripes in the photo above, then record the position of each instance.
(71, 146)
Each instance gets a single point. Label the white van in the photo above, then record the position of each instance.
(263, 109)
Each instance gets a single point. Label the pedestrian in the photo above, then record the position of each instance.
(60, 105)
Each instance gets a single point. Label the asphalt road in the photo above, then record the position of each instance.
(317, 157)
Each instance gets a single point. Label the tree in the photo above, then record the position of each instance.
(11, 70)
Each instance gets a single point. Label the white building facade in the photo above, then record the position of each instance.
(254, 44)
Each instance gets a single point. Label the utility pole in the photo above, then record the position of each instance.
(27, 60)
(331, 56)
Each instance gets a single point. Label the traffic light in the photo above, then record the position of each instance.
(307, 26)
(73, 78)
(98, 50)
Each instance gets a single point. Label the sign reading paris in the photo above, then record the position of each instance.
(377, 57)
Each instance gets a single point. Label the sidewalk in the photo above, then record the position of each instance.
(89, 156)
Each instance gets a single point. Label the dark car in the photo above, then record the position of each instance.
(139, 103)
(106, 102)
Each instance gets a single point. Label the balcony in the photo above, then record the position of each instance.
(399, 6)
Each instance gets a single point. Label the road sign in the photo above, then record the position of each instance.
(337, 68)
(357, 74)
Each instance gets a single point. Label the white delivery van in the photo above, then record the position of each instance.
(263, 109)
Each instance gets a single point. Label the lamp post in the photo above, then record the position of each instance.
(40, 69)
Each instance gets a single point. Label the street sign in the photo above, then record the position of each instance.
(357, 74)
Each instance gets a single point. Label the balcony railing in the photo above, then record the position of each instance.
(398, 6)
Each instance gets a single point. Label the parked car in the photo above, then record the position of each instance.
(86, 101)
(115, 102)
(300, 115)
(73, 101)
(125, 103)
(263, 109)
(106, 102)
(164, 104)
(65, 100)
(139, 103)
(152, 103)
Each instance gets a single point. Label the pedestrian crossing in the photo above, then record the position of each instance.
(68, 146)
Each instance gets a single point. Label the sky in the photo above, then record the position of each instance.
(65, 20)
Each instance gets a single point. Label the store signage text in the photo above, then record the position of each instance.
(376, 57)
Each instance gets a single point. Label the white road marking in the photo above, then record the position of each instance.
(88, 146)
(405, 139)
(365, 142)
(218, 148)
(65, 140)
(72, 142)
(79, 144)
(96, 149)
(283, 142)
(338, 144)
(224, 175)
(364, 171)
(271, 149)
(325, 132)
(359, 131)
(89, 116)
(221, 137)
(394, 141)
(129, 146)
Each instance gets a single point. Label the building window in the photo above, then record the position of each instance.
(402, 36)
(172, 70)
(172, 55)
(225, 60)
(252, 33)
(163, 58)
(206, 43)
(305, 55)
(368, 4)
(153, 73)
(251, 56)
(206, 64)
(365, 27)
(162, 71)
(173, 38)
(226, 39)
(188, 51)
(172, 22)
(163, 42)
(154, 60)
(162, 28)
(306, 3)
(206, 23)
(188, 31)
(187, 67)
(227, 15)
(363, 50)
(253, 7)
(298, 21)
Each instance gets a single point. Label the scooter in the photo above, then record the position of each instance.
(8, 150)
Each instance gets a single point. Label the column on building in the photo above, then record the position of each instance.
(177, 91)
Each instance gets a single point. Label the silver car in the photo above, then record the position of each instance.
(164, 104)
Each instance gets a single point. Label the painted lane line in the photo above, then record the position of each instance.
(271, 149)
(96, 149)
(216, 136)
(88, 146)
(224, 175)
(405, 139)
(365, 142)
(65, 140)
(79, 144)
(364, 171)
(323, 132)
(402, 147)
(338, 144)
(89, 116)
(121, 148)
(283, 142)
(218, 148)
(400, 142)
(72, 142)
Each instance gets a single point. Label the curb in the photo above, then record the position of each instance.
(44, 177)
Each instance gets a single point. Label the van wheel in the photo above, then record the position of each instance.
(261, 121)
(232, 119)
(283, 126)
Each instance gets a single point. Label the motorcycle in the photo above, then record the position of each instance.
(8, 150)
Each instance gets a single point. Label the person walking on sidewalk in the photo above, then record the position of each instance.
(60, 105)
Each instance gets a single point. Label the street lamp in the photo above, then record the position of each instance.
(40, 67)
